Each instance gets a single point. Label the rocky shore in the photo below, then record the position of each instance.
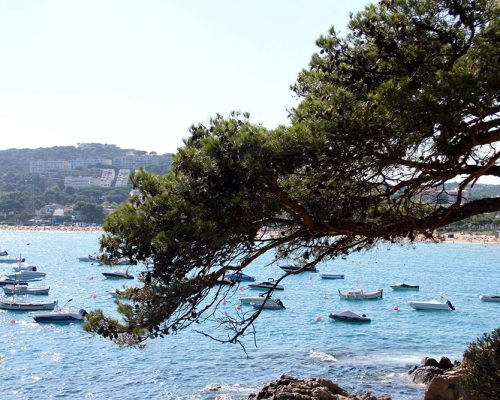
(442, 379)
(289, 388)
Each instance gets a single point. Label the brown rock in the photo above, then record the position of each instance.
(447, 387)
(425, 374)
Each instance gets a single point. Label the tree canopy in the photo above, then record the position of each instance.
(405, 102)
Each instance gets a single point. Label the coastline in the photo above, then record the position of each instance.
(61, 228)
(458, 237)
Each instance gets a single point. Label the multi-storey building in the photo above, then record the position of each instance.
(122, 178)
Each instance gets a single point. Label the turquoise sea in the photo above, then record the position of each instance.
(63, 361)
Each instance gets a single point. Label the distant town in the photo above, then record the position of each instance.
(69, 185)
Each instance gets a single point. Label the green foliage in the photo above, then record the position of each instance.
(390, 113)
(481, 367)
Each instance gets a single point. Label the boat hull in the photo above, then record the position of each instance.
(117, 275)
(490, 299)
(405, 287)
(429, 306)
(354, 319)
(332, 276)
(361, 295)
(27, 306)
(11, 290)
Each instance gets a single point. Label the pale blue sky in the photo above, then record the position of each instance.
(139, 73)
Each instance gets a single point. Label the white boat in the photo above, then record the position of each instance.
(332, 276)
(432, 305)
(25, 289)
(26, 275)
(360, 294)
(8, 281)
(117, 275)
(266, 285)
(269, 304)
(19, 305)
(349, 316)
(11, 260)
(60, 316)
(404, 286)
(255, 299)
(24, 267)
(492, 299)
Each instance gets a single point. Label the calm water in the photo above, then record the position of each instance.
(52, 361)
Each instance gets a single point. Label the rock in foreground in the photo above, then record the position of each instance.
(288, 388)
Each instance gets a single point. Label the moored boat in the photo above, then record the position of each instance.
(349, 316)
(24, 267)
(60, 316)
(25, 289)
(432, 305)
(240, 277)
(19, 305)
(8, 281)
(298, 268)
(404, 286)
(491, 299)
(117, 275)
(89, 258)
(269, 304)
(255, 299)
(266, 285)
(332, 276)
(11, 260)
(3, 253)
(26, 275)
(360, 294)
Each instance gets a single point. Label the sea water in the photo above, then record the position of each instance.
(63, 361)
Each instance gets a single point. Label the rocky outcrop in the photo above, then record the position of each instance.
(288, 388)
(442, 379)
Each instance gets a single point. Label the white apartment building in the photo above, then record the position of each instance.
(42, 167)
(80, 182)
(122, 178)
(107, 177)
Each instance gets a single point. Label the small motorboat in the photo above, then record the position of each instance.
(3, 253)
(240, 277)
(117, 275)
(297, 268)
(332, 276)
(9, 281)
(26, 275)
(405, 286)
(24, 267)
(255, 299)
(432, 305)
(18, 305)
(360, 294)
(89, 258)
(491, 299)
(25, 289)
(12, 260)
(60, 316)
(270, 284)
(269, 304)
(349, 316)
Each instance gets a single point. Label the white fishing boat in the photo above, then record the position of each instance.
(26, 275)
(8, 281)
(432, 305)
(255, 299)
(6, 260)
(25, 289)
(404, 286)
(266, 285)
(269, 304)
(360, 294)
(349, 316)
(332, 276)
(20, 305)
(491, 299)
(59, 316)
(117, 275)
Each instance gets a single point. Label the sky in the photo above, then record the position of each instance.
(138, 73)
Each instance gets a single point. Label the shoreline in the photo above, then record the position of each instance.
(458, 237)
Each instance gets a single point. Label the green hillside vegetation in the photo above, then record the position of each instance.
(23, 193)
